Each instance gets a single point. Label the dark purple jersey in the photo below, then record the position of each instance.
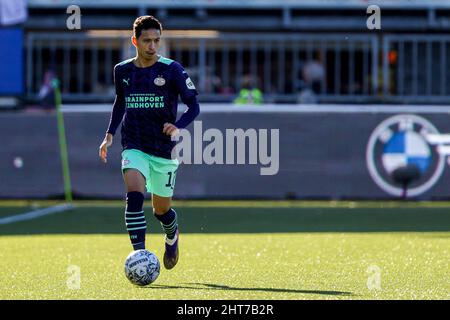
(146, 98)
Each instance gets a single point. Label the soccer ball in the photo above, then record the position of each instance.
(142, 267)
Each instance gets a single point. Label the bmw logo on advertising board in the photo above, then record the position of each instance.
(400, 141)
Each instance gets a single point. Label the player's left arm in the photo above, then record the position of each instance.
(188, 93)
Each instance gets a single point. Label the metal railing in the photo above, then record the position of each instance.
(218, 64)
(286, 67)
(415, 68)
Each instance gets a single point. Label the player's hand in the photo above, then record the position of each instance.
(103, 149)
(170, 129)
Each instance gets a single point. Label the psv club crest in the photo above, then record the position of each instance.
(159, 81)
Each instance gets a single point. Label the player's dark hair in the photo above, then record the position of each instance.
(145, 23)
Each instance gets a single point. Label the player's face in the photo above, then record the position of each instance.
(148, 43)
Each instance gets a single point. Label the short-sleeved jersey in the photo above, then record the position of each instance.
(149, 97)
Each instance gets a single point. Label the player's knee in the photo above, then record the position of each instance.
(134, 181)
(135, 188)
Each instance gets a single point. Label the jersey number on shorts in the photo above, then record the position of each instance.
(172, 176)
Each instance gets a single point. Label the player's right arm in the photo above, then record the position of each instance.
(118, 111)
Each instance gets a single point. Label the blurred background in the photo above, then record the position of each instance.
(312, 69)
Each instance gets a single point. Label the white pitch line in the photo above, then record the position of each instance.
(35, 214)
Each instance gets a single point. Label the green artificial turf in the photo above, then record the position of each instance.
(234, 253)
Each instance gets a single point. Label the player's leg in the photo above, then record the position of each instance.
(167, 216)
(162, 181)
(135, 170)
(162, 209)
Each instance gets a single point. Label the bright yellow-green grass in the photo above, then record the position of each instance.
(270, 252)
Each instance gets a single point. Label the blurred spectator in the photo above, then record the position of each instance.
(213, 83)
(306, 96)
(226, 90)
(313, 73)
(100, 88)
(209, 82)
(249, 94)
(46, 94)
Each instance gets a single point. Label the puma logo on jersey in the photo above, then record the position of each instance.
(126, 81)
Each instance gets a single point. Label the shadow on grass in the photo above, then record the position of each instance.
(209, 286)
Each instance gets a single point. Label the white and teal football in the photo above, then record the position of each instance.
(142, 267)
